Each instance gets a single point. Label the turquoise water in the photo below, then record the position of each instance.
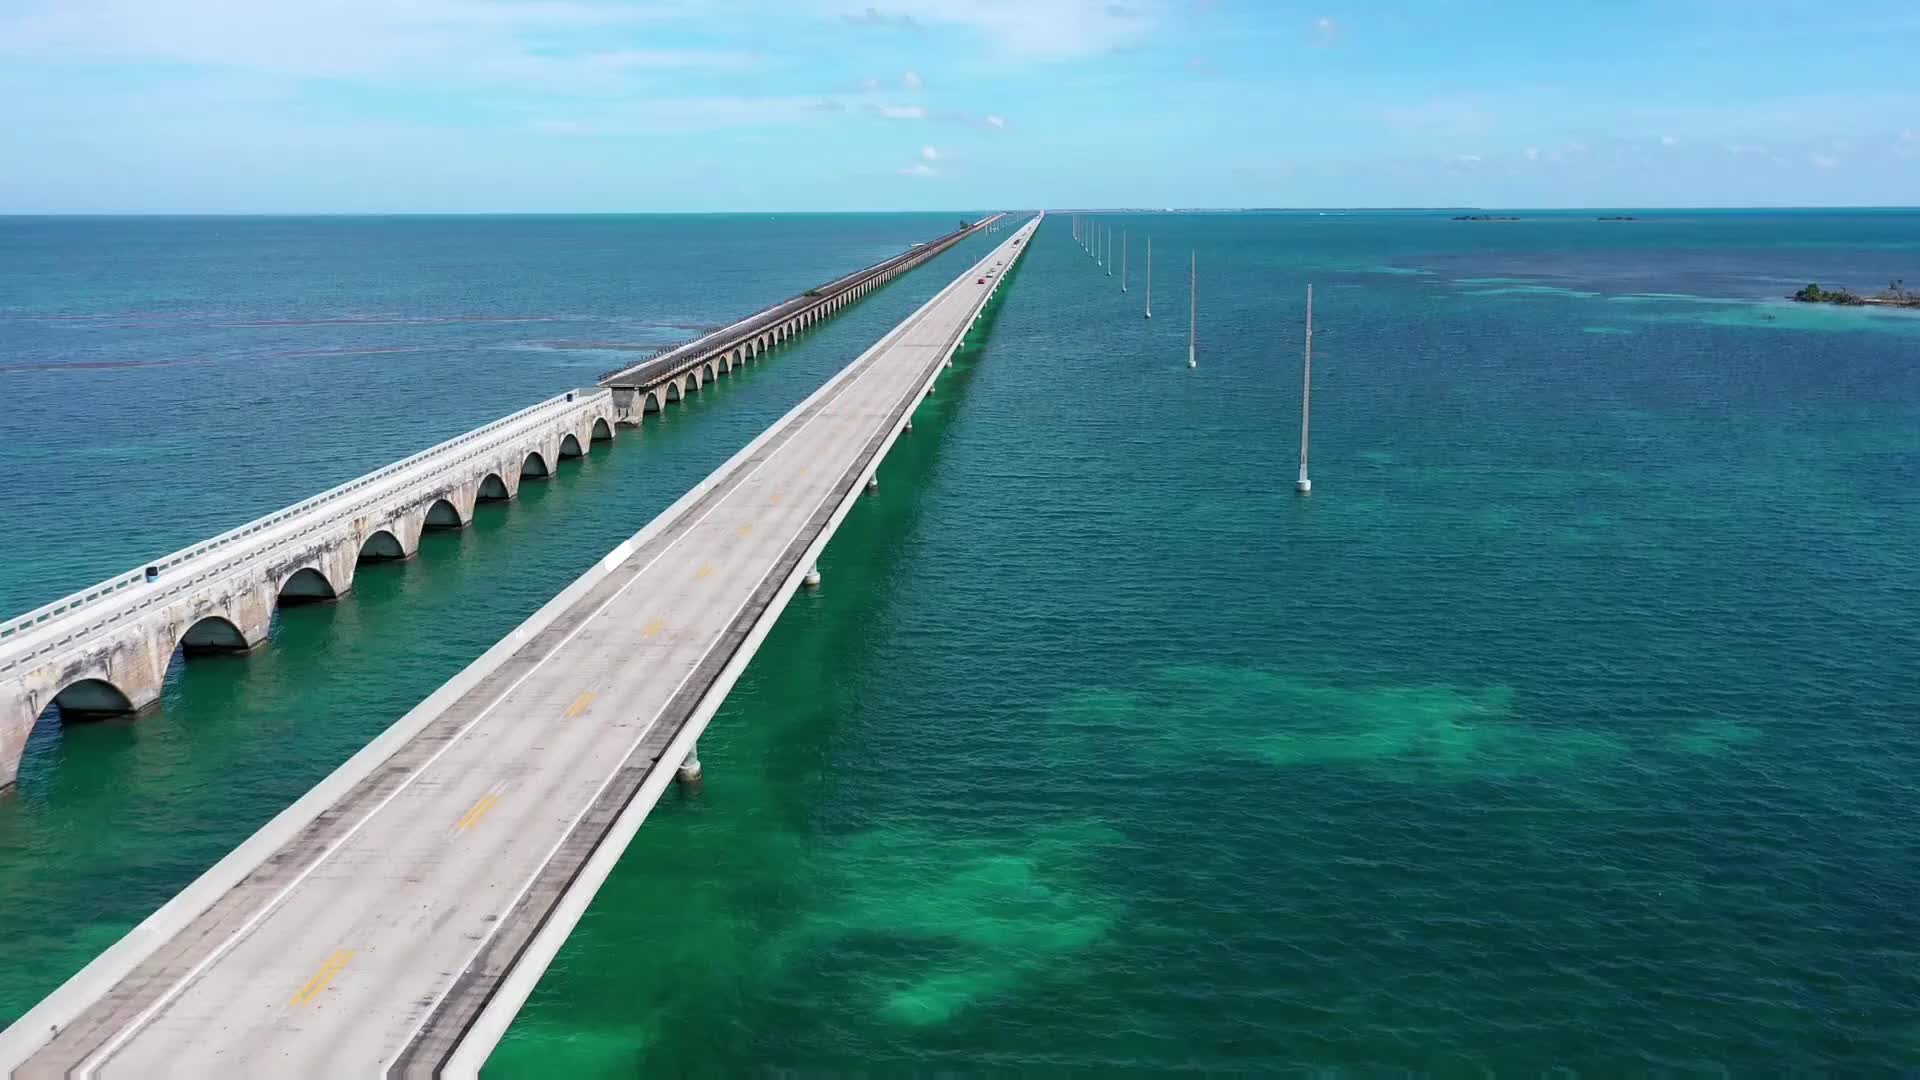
(1569, 723)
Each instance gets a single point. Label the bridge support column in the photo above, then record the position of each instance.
(812, 580)
(690, 768)
(873, 483)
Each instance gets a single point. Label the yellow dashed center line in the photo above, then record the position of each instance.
(653, 627)
(704, 572)
(774, 498)
(479, 811)
(322, 978)
(746, 530)
(580, 704)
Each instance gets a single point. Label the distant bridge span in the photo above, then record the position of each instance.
(648, 386)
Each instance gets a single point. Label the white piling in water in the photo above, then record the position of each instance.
(1193, 306)
(1303, 485)
(1149, 277)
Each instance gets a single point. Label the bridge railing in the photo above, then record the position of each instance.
(113, 586)
(814, 297)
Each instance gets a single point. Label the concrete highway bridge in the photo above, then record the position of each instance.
(105, 650)
(394, 919)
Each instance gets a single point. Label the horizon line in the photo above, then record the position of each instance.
(33, 214)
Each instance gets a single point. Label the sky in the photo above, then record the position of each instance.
(402, 106)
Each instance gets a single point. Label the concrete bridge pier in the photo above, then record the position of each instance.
(689, 773)
(627, 406)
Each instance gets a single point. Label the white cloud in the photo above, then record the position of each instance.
(1467, 159)
(1668, 140)
(1909, 135)
(918, 168)
(1039, 29)
(903, 112)
(1531, 153)
(876, 17)
(993, 121)
(1823, 161)
(415, 41)
(930, 153)
(912, 81)
(1325, 31)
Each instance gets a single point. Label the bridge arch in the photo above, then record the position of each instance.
(443, 515)
(306, 585)
(692, 385)
(570, 447)
(494, 489)
(602, 430)
(382, 546)
(534, 466)
(87, 699)
(672, 390)
(706, 372)
(654, 403)
(213, 634)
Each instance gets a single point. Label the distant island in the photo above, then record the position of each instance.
(1896, 294)
(1484, 217)
(1617, 217)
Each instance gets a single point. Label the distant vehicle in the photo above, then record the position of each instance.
(982, 281)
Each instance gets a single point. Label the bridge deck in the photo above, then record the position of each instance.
(50, 628)
(429, 880)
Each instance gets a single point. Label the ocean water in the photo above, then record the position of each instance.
(1571, 723)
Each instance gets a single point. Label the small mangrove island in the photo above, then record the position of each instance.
(1896, 294)
(1484, 217)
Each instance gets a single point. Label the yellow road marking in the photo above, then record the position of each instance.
(705, 572)
(746, 530)
(774, 498)
(479, 811)
(322, 978)
(653, 627)
(579, 704)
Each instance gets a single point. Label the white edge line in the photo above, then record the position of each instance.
(491, 1025)
(38, 1025)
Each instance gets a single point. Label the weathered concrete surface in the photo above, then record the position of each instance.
(395, 918)
(106, 650)
(650, 385)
